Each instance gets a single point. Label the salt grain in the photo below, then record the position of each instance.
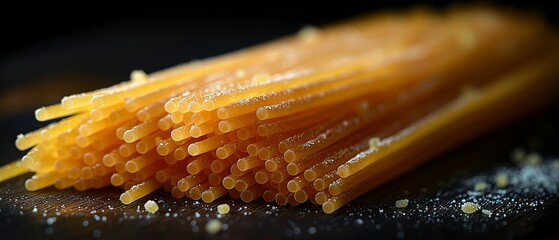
(487, 212)
(374, 143)
(502, 180)
(403, 203)
(138, 76)
(51, 220)
(309, 34)
(223, 208)
(470, 207)
(480, 186)
(151, 206)
(213, 226)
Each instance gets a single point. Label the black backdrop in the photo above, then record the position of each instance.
(27, 24)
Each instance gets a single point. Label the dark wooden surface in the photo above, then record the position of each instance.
(93, 57)
(527, 207)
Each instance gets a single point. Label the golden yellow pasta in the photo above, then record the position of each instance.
(322, 116)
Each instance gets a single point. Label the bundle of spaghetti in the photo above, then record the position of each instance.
(323, 116)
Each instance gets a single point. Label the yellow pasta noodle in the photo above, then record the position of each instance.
(322, 116)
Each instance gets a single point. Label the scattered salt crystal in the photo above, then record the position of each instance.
(213, 226)
(402, 203)
(487, 212)
(138, 76)
(223, 208)
(470, 207)
(502, 180)
(309, 34)
(51, 220)
(151, 206)
(480, 186)
(374, 142)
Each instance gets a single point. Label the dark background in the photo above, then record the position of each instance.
(26, 25)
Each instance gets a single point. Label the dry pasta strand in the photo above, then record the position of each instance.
(322, 116)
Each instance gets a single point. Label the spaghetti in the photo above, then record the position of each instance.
(323, 116)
